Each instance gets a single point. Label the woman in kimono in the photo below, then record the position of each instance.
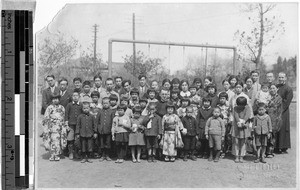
(55, 132)
(274, 111)
(171, 127)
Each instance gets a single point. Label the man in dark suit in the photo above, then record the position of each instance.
(142, 85)
(64, 92)
(48, 92)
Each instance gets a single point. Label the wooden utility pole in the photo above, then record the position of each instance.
(95, 42)
(133, 37)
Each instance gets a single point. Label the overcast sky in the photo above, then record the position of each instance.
(213, 23)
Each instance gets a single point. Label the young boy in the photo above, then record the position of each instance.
(95, 106)
(86, 90)
(181, 112)
(262, 131)
(73, 110)
(113, 99)
(104, 124)
(195, 99)
(204, 113)
(153, 131)
(190, 138)
(85, 130)
(215, 132)
(226, 144)
(134, 98)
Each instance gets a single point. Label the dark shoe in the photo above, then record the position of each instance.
(194, 158)
(185, 158)
(263, 160)
(205, 156)
(200, 156)
(217, 156)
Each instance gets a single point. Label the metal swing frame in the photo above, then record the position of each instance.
(112, 40)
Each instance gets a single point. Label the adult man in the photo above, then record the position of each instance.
(48, 92)
(142, 85)
(77, 82)
(109, 83)
(97, 84)
(286, 93)
(118, 84)
(270, 77)
(64, 92)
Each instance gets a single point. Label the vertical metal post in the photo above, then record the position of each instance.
(234, 61)
(109, 58)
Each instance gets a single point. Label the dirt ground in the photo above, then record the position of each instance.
(279, 171)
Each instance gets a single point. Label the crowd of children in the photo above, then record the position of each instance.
(176, 120)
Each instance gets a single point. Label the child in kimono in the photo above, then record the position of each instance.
(242, 114)
(181, 112)
(215, 132)
(191, 136)
(86, 130)
(136, 136)
(262, 131)
(153, 131)
(212, 94)
(204, 113)
(120, 132)
(171, 127)
(195, 100)
(225, 114)
(55, 130)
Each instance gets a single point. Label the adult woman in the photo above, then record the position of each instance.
(274, 110)
(184, 87)
(233, 81)
(166, 83)
(200, 91)
(175, 84)
(126, 88)
(248, 90)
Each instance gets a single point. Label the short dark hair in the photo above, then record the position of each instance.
(109, 79)
(118, 77)
(113, 97)
(175, 81)
(208, 78)
(86, 83)
(137, 109)
(261, 105)
(76, 90)
(134, 91)
(63, 79)
(248, 77)
(125, 81)
(241, 101)
(95, 93)
(143, 100)
(211, 85)
(125, 99)
(52, 76)
(223, 95)
(166, 80)
(77, 79)
(184, 81)
(239, 83)
(254, 71)
(233, 77)
(225, 80)
(141, 76)
(198, 80)
(97, 76)
(175, 91)
(122, 107)
(185, 100)
(205, 99)
(265, 84)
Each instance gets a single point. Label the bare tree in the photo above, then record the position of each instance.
(265, 28)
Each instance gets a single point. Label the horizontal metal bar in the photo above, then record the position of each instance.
(170, 43)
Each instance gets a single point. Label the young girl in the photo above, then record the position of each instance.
(175, 83)
(242, 113)
(166, 83)
(212, 94)
(175, 98)
(262, 131)
(184, 86)
(134, 98)
(204, 113)
(136, 136)
(195, 100)
(55, 130)
(181, 112)
(171, 126)
(120, 132)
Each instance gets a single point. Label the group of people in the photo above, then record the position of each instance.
(178, 119)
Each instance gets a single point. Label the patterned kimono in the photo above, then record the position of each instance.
(171, 126)
(55, 132)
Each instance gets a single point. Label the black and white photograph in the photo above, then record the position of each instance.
(166, 95)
